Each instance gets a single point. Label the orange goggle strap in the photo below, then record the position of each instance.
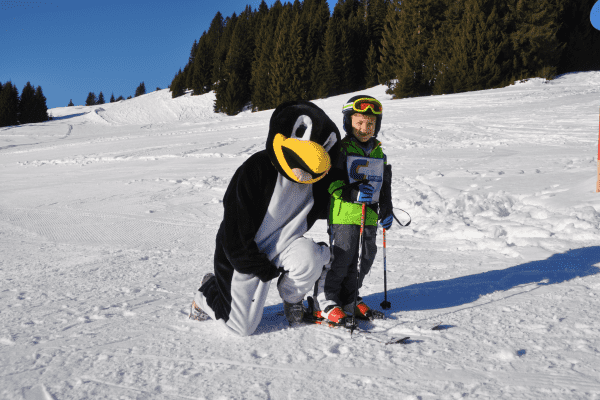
(363, 105)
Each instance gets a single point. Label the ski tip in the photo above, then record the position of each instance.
(378, 315)
(404, 340)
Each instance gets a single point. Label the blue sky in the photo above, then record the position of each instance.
(71, 48)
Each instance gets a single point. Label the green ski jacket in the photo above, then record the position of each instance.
(342, 211)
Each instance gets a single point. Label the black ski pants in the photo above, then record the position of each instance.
(337, 284)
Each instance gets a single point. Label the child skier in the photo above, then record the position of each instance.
(360, 174)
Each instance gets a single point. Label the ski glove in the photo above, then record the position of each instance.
(365, 193)
(386, 223)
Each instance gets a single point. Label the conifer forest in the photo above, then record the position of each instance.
(302, 50)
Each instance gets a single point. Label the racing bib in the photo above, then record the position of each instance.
(371, 169)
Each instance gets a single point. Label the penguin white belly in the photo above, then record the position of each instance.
(286, 218)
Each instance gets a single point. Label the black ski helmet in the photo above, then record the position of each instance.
(348, 110)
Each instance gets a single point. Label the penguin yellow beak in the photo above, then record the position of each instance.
(303, 161)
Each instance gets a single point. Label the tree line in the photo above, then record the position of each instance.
(300, 50)
(27, 108)
(92, 99)
(30, 105)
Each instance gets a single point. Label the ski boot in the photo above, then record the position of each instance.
(363, 312)
(294, 312)
(196, 313)
(333, 314)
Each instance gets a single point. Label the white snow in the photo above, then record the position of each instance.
(108, 216)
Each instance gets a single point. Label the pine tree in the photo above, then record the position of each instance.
(221, 52)
(355, 44)
(233, 91)
(27, 105)
(297, 7)
(9, 105)
(230, 102)
(201, 80)
(481, 38)
(300, 60)
(141, 90)
(190, 76)
(100, 99)
(202, 76)
(418, 22)
(112, 97)
(177, 84)
(533, 34)
(582, 40)
(316, 15)
(446, 49)
(262, 94)
(372, 78)
(280, 71)
(375, 15)
(332, 61)
(120, 98)
(390, 58)
(70, 103)
(40, 108)
(374, 18)
(320, 86)
(91, 99)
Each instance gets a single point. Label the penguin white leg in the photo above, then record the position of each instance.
(303, 260)
(248, 296)
(321, 301)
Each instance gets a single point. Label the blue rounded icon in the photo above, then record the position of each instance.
(595, 15)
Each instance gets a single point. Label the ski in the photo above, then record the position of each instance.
(312, 317)
(404, 340)
(313, 320)
(376, 336)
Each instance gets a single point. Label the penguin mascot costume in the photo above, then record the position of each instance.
(273, 199)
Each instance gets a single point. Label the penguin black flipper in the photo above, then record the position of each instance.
(245, 204)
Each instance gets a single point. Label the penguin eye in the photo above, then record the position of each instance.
(300, 131)
(301, 127)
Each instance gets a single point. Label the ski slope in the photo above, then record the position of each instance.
(108, 216)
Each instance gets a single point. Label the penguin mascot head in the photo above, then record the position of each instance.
(301, 139)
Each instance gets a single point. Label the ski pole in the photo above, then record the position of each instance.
(385, 304)
(358, 265)
(401, 224)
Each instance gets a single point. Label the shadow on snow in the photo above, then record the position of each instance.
(69, 116)
(467, 289)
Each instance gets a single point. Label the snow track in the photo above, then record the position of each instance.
(76, 227)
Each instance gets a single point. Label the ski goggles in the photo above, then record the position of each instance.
(363, 105)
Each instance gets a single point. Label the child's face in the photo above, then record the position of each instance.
(363, 126)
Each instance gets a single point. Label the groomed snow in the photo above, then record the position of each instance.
(108, 216)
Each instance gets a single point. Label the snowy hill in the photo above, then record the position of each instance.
(153, 108)
(108, 216)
